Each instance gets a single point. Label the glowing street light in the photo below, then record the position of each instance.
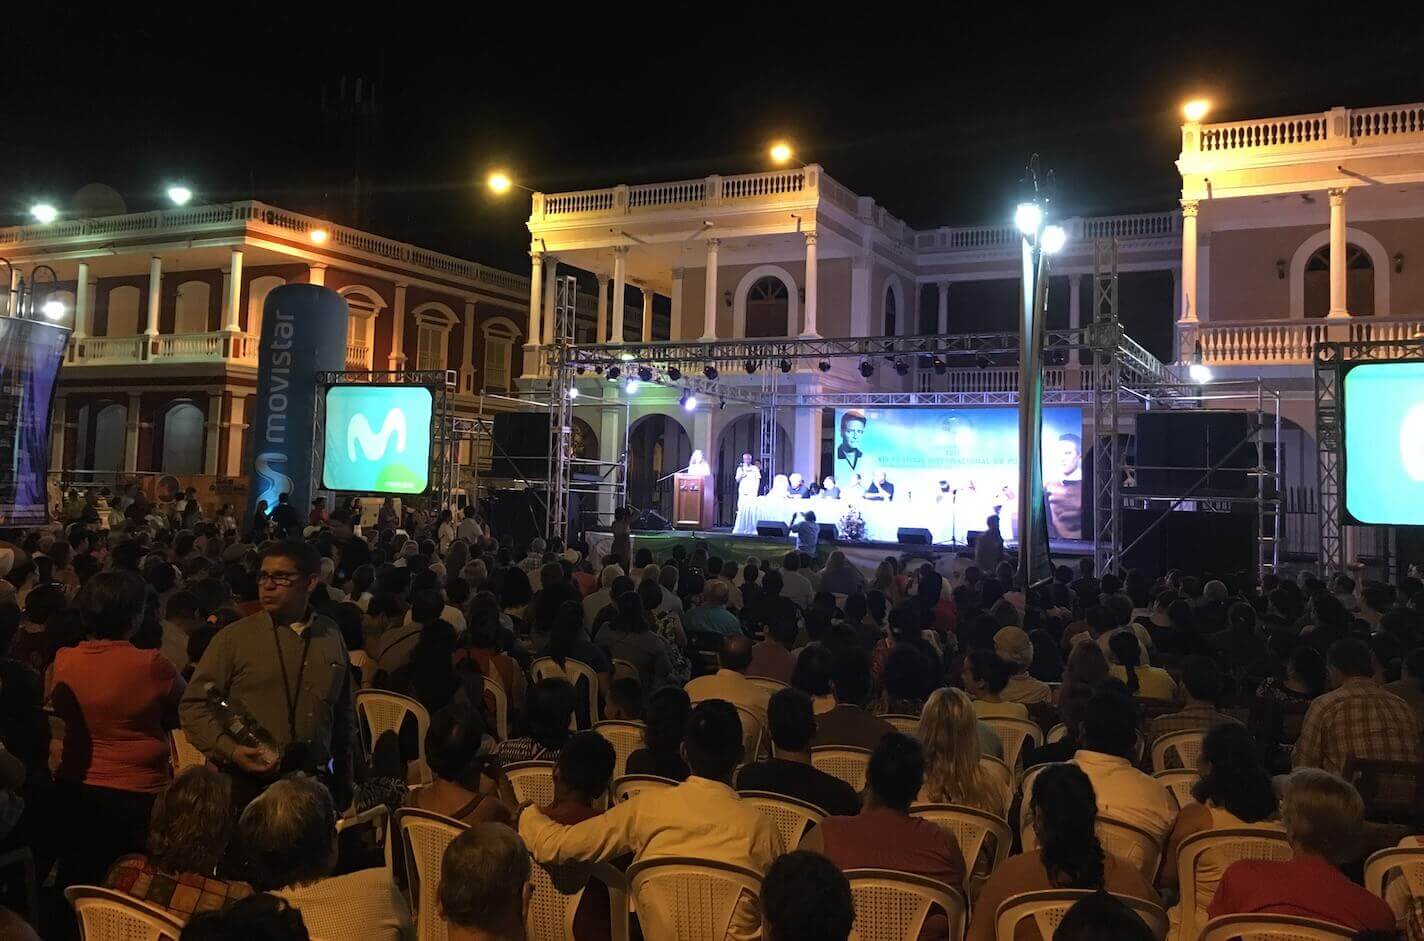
(1195, 110)
(179, 195)
(781, 153)
(1054, 239)
(53, 310)
(44, 213)
(499, 183)
(1028, 217)
(1201, 374)
(318, 236)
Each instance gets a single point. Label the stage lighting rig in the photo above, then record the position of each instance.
(645, 374)
(613, 373)
(598, 370)
(710, 372)
(902, 368)
(939, 366)
(674, 373)
(751, 365)
(824, 365)
(784, 365)
(866, 368)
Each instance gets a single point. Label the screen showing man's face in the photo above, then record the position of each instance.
(1068, 457)
(852, 431)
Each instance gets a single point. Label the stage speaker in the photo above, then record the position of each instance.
(521, 445)
(914, 536)
(971, 538)
(1221, 543)
(827, 532)
(649, 521)
(773, 528)
(517, 514)
(1194, 440)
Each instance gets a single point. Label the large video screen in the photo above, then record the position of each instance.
(377, 439)
(967, 455)
(1384, 443)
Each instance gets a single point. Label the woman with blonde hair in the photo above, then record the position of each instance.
(954, 773)
(887, 582)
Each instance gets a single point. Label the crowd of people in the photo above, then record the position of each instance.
(252, 646)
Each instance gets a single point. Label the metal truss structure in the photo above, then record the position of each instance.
(443, 450)
(1332, 360)
(561, 409)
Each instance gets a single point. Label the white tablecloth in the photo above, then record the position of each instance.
(944, 520)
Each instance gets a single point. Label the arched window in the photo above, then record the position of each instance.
(257, 291)
(364, 305)
(110, 434)
(1359, 282)
(768, 307)
(890, 311)
(190, 313)
(499, 345)
(123, 312)
(183, 440)
(432, 335)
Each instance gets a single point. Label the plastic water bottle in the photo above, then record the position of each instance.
(239, 723)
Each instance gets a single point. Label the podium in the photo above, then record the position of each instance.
(692, 501)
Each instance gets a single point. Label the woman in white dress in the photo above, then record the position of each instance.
(780, 487)
(697, 464)
(748, 478)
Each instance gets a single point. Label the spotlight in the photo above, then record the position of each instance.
(674, 373)
(824, 365)
(44, 213)
(721, 404)
(53, 310)
(318, 236)
(1028, 217)
(784, 365)
(179, 195)
(573, 393)
(751, 366)
(866, 369)
(598, 370)
(632, 386)
(688, 402)
(645, 374)
(1200, 374)
(710, 372)
(580, 369)
(613, 373)
(902, 368)
(1054, 239)
(939, 366)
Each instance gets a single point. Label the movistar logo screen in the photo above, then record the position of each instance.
(377, 439)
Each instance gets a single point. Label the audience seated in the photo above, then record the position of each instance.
(1357, 718)
(1322, 815)
(1102, 917)
(484, 885)
(905, 681)
(658, 823)
(661, 753)
(772, 657)
(1144, 681)
(457, 750)
(629, 636)
(789, 771)
(1072, 703)
(551, 707)
(1201, 688)
(805, 897)
(1068, 856)
(711, 615)
(730, 682)
(954, 771)
(192, 822)
(1014, 648)
(581, 779)
(849, 722)
(255, 918)
(288, 838)
(1410, 685)
(985, 678)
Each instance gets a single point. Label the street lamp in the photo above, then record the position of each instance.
(781, 153)
(179, 195)
(499, 183)
(44, 213)
(1195, 110)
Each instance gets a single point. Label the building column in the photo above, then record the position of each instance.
(155, 294)
(232, 293)
(551, 296)
(213, 426)
(58, 429)
(620, 291)
(860, 305)
(806, 444)
(675, 321)
(82, 295)
(610, 452)
(943, 321)
(316, 274)
(601, 333)
(1075, 301)
(237, 421)
(812, 279)
(397, 359)
(1188, 301)
(1339, 302)
(647, 314)
(12, 302)
(467, 361)
(536, 295)
(709, 308)
(131, 428)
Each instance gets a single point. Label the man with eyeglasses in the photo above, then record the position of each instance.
(288, 668)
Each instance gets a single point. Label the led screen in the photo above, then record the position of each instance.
(377, 439)
(1384, 443)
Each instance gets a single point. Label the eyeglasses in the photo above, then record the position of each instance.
(280, 579)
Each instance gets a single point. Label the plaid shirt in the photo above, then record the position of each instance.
(184, 894)
(1358, 720)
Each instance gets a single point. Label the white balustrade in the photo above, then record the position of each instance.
(171, 348)
(683, 192)
(1269, 342)
(358, 356)
(1391, 119)
(773, 183)
(1266, 132)
(106, 349)
(1337, 127)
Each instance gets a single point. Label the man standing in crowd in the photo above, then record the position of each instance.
(288, 668)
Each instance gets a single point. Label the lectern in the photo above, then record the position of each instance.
(692, 501)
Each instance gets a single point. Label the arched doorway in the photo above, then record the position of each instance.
(768, 308)
(110, 431)
(742, 435)
(585, 440)
(657, 446)
(891, 317)
(182, 440)
(1359, 282)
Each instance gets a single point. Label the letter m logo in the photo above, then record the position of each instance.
(373, 444)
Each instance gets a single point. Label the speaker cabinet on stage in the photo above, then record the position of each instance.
(1222, 543)
(773, 528)
(521, 445)
(827, 532)
(1194, 439)
(914, 536)
(692, 501)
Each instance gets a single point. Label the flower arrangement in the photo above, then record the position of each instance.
(852, 525)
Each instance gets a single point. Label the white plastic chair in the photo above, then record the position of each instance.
(681, 899)
(1406, 861)
(1004, 775)
(107, 915)
(1131, 844)
(545, 668)
(378, 711)
(909, 725)
(625, 736)
(1026, 789)
(1014, 733)
(631, 785)
(1048, 907)
(424, 836)
(625, 669)
(1056, 734)
(844, 762)
(1179, 783)
(1273, 928)
(558, 891)
(752, 733)
(1227, 846)
(790, 816)
(971, 827)
(766, 683)
(1186, 745)
(893, 906)
(185, 755)
(531, 781)
(495, 690)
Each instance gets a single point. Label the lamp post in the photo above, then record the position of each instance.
(1038, 242)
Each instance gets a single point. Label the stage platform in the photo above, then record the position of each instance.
(863, 555)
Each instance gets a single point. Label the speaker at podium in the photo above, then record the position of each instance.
(692, 501)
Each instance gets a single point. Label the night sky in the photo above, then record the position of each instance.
(933, 115)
